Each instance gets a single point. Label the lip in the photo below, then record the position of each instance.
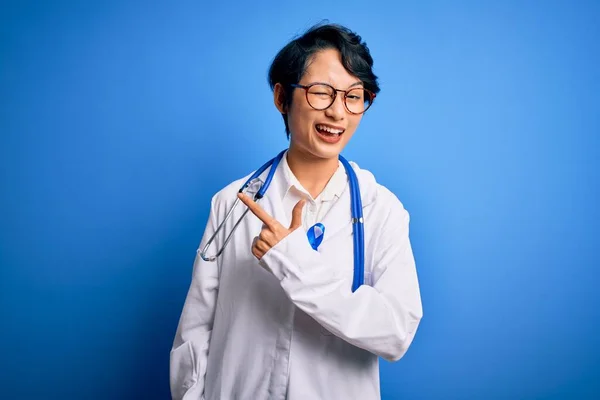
(329, 139)
(336, 127)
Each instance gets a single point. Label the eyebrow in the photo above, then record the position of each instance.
(358, 83)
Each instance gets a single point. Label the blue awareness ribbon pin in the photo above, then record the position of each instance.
(315, 235)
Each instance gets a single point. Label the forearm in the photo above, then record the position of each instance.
(382, 319)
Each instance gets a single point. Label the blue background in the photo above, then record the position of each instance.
(119, 120)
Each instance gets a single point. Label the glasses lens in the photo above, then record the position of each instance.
(320, 96)
(358, 100)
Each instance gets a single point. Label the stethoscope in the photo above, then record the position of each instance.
(355, 206)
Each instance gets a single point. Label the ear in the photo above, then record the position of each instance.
(279, 98)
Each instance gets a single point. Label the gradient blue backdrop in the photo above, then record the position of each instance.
(119, 120)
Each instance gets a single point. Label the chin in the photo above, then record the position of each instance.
(327, 151)
(318, 149)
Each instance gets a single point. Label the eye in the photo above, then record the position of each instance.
(321, 91)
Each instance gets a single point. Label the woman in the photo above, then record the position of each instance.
(276, 316)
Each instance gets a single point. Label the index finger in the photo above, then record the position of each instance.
(257, 210)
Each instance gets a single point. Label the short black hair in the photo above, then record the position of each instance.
(289, 65)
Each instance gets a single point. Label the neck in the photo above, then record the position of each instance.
(312, 172)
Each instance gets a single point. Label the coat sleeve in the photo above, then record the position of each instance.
(382, 318)
(189, 354)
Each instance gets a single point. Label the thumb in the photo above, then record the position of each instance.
(297, 215)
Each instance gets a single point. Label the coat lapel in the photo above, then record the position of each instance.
(339, 215)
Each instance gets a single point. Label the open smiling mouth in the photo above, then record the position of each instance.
(328, 133)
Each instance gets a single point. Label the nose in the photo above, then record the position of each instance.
(337, 111)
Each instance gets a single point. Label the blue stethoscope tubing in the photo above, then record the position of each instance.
(355, 206)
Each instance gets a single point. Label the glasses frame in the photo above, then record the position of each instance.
(335, 92)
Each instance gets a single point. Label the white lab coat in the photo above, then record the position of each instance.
(289, 326)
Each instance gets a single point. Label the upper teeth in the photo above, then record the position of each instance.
(330, 130)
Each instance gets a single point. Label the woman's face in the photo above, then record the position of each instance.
(323, 134)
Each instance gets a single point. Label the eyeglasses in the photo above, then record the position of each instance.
(321, 96)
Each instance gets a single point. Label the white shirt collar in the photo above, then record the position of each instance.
(287, 180)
